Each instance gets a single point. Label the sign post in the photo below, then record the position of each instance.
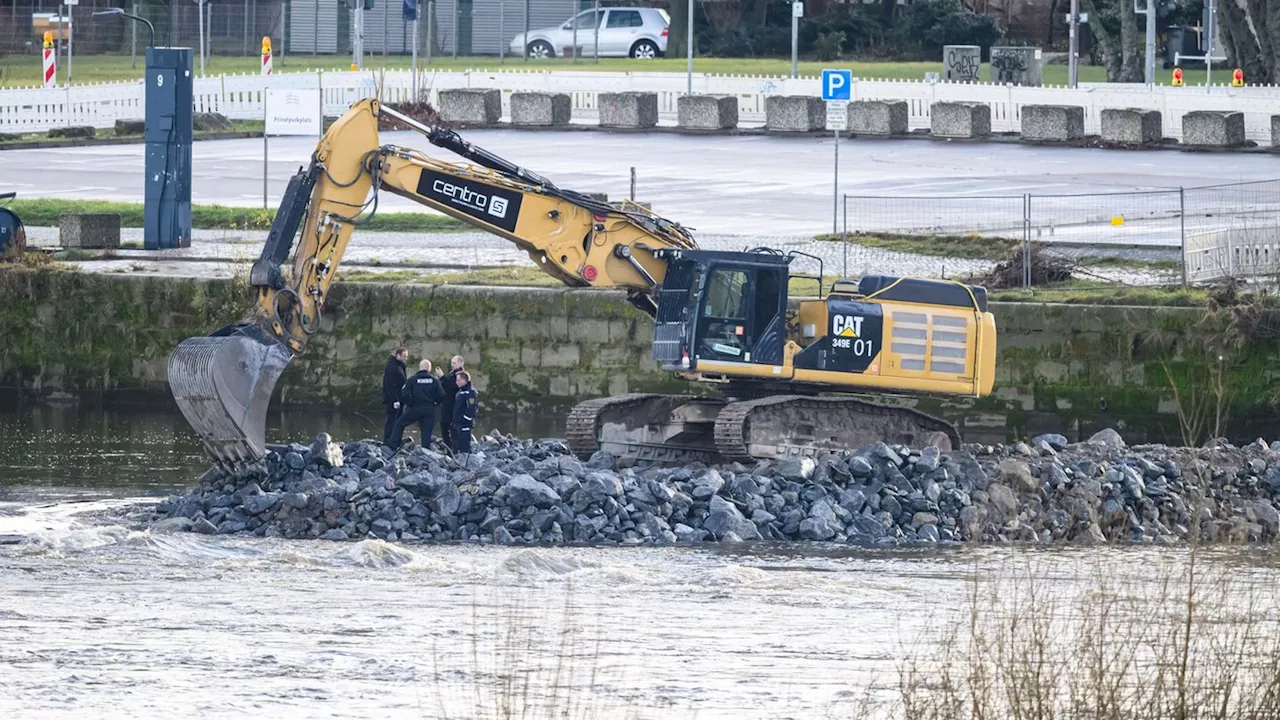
(837, 90)
(797, 12)
(70, 33)
(289, 112)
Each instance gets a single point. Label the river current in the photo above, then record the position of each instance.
(101, 619)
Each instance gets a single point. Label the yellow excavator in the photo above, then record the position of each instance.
(786, 376)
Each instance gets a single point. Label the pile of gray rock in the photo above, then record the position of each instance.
(523, 491)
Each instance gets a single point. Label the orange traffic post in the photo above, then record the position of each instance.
(50, 62)
(266, 54)
(1177, 77)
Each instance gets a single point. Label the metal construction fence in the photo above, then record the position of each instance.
(1184, 235)
(232, 28)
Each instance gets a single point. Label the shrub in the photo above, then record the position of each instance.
(829, 45)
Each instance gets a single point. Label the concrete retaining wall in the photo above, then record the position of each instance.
(629, 109)
(877, 117)
(707, 112)
(960, 119)
(111, 335)
(1213, 128)
(536, 109)
(794, 113)
(1052, 123)
(1132, 126)
(471, 106)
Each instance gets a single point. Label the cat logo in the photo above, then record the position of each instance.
(846, 325)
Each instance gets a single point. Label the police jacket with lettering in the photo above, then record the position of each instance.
(464, 408)
(423, 390)
(393, 380)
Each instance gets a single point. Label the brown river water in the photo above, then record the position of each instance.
(101, 619)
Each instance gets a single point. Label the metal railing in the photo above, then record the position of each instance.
(1182, 235)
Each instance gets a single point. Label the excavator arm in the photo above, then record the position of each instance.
(223, 382)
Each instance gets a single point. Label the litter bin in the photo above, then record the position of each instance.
(12, 234)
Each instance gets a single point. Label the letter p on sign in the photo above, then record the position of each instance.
(837, 84)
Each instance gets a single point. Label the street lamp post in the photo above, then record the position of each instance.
(120, 11)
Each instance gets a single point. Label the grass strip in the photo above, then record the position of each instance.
(44, 212)
(970, 247)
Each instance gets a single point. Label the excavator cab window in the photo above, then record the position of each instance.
(724, 327)
(739, 320)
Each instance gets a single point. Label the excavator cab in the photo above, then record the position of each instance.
(728, 307)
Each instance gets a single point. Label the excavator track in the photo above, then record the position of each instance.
(658, 428)
(800, 425)
(672, 428)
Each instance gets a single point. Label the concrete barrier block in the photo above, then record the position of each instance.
(628, 109)
(539, 109)
(878, 117)
(707, 112)
(471, 106)
(89, 230)
(1213, 128)
(794, 113)
(1052, 123)
(1131, 126)
(960, 119)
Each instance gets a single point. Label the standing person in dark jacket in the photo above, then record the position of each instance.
(393, 377)
(421, 395)
(450, 385)
(465, 406)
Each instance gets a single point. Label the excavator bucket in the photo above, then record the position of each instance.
(223, 385)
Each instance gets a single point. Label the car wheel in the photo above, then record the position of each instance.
(541, 49)
(644, 50)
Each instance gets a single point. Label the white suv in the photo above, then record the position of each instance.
(623, 32)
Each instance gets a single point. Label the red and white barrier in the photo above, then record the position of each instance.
(266, 55)
(50, 62)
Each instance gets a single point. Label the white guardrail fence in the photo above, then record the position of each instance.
(240, 96)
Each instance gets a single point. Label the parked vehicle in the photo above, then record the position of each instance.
(623, 32)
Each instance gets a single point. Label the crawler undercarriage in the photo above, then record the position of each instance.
(680, 428)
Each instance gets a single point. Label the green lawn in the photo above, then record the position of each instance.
(25, 69)
(45, 212)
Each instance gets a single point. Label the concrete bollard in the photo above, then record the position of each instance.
(89, 230)
(1131, 126)
(1275, 132)
(537, 109)
(628, 109)
(1213, 128)
(471, 106)
(707, 112)
(1052, 123)
(878, 117)
(960, 119)
(794, 113)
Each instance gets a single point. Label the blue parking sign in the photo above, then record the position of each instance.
(837, 84)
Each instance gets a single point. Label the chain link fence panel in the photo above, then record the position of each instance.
(1163, 237)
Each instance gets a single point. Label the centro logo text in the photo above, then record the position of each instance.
(471, 198)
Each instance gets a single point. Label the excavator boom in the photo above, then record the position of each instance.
(223, 383)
